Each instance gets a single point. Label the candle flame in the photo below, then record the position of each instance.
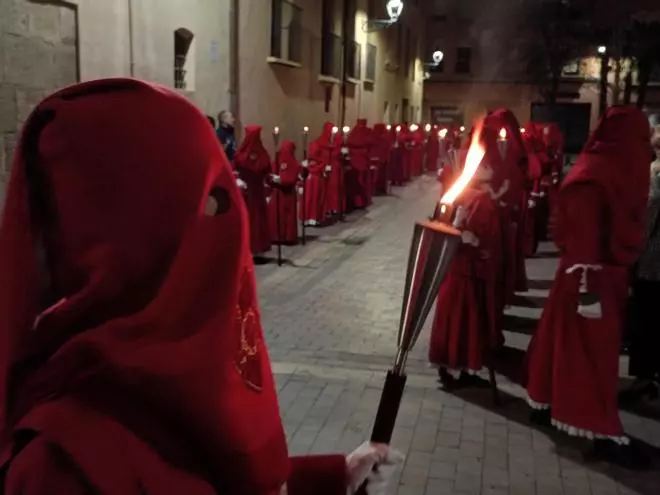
(305, 129)
(276, 130)
(398, 128)
(346, 129)
(443, 133)
(414, 127)
(503, 134)
(335, 130)
(522, 130)
(428, 128)
(462, 128)
(389, 127)
(475, 155)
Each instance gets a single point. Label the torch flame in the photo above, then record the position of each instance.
(474, 157)
(503, 134)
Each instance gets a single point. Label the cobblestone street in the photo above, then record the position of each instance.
(331, 316)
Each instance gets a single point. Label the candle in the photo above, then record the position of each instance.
(305, 134)
(428, 128)
(345, 130)
(522, 130)
(389, 127)
(443, 133)
(462, 128)
(503, 134)
(502, 144)
(276, 137)
(335, 130)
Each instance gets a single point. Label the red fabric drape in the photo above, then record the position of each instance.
(145, 368)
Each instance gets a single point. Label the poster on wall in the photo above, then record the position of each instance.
(446, 115)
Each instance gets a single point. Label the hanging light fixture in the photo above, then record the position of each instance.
(394, 9)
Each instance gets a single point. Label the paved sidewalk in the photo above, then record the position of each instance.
(331, 316)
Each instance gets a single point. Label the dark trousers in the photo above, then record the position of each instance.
(645, 334)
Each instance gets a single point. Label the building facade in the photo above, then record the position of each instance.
(272, 62)
(485, 67)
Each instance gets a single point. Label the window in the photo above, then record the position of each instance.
(330, 43)
(372, 52)
(184, 59)
(463, 60)
(285, 31)
(354, 60)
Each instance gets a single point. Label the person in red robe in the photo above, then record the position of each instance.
(432, 150)
(533, 196)
(358, 177)
(316, 213)
(133, 359)
(553, 139)
(415, 143)
(573, 358)
(514, 199)
(285, 196)
(380, 154)
(398, 163)
(254, 169)
(333, 153)
(466, 332)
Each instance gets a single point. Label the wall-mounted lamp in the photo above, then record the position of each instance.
(394, 10)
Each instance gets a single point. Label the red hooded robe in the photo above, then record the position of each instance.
(573, 361)
(316, 183)
(254, 167)
(380, 153)
(358, 178)
(432, 150)
(398, 160)
(285, 196)
(466, 331)
(132, 356)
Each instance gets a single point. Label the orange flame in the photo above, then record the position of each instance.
(475, 155)
(503, 134)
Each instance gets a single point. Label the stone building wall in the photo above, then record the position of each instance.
(37, 55)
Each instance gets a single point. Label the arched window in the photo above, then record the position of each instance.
(184, 59)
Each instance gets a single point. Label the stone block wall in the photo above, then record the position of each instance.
(38, 54)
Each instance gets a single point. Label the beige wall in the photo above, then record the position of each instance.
(105, 41)
(293, 97)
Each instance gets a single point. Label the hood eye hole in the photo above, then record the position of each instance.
(218, 202)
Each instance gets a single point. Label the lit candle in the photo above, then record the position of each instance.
(522, 130)
(305, 134)
(335, 130)
(462, 129)
(345, 130)
(428, 128)
(389, 127)
(502, 144)
(276, 136)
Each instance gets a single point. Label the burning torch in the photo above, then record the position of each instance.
(305, 174)
(433, 247)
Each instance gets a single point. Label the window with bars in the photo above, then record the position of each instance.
(463, 60)
(286, 31)
(370, 73)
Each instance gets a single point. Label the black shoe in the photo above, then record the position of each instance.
(474, 381)
(626, 456)
(541, 417)
(447, 382)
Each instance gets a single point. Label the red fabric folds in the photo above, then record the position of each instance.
(145, 365)
(253, 166)
(285, 196)
(573, 360)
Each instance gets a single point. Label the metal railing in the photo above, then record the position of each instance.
(286, 31)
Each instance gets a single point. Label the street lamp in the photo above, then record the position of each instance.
(438, 56)
(394, 10)
(602, 49)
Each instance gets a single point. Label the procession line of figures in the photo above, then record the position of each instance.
(598, 220)
(342, 171)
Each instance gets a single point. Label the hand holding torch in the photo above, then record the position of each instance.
(433, 247)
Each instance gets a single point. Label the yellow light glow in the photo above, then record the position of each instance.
(503, 134)
(346, 129)
(428, 128)
(443, 133)
(305, 129)
(474, 157)
(276, 130)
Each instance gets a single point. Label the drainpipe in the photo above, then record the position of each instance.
(344, 65)
(234, 59)
(131, 47)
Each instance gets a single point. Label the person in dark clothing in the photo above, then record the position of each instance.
(645, 341)
(225, 132)
(211, 121)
